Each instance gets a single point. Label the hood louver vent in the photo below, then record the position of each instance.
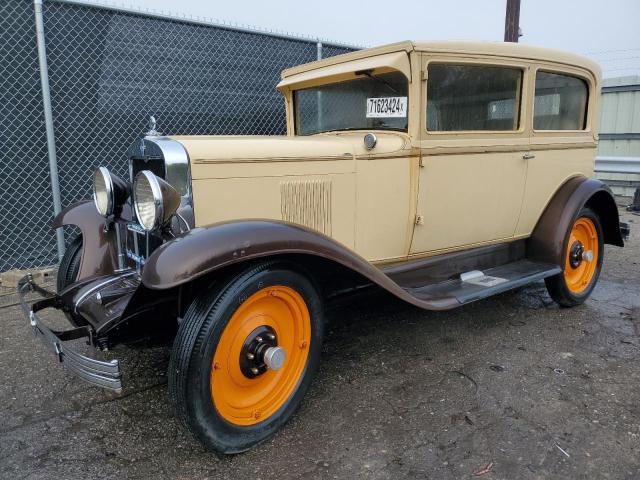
(308, 203)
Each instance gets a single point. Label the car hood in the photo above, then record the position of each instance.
(231, 149)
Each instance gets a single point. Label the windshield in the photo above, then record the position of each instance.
(370, 102)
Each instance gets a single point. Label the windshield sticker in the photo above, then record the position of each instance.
(386, 107)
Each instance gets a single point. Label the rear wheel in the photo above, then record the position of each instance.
(582, 262)
(245, 355)
(68, 273)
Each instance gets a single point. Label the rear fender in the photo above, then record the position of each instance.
(546, 243)
(99, 251)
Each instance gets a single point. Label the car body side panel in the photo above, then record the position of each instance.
(467, 199)
(329, 183)
(385, 189)
(99, 247)
(546, 173)
(325, 203)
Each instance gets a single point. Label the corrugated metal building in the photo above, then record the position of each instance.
(620, 129)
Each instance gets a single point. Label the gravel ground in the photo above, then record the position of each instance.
(513, 385)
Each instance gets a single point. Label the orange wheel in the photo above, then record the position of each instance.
(583, 253)
(581, 256)
(245, 355)
(272, 321)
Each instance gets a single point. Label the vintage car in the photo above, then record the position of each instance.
(442, 173)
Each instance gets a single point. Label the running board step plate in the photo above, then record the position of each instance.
(475, 285)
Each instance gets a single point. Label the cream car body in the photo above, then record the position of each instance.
(415, 193)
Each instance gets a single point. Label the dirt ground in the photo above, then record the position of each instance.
(512, 385)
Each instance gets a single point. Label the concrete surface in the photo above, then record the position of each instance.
(513, 384)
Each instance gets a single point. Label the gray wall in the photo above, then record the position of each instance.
(620, 129)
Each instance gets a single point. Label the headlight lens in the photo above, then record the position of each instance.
(155, 201)
(148, 200)
(103, 195)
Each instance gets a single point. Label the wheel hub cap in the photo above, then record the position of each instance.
(575, 254)
(261, 352)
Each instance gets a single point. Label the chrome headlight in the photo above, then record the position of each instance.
(155, 201)
(109, 192)
(103, 196)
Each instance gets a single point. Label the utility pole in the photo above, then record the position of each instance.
(512, 21)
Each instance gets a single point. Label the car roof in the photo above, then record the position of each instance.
(497, 49)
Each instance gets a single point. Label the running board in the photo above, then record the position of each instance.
(476, 285)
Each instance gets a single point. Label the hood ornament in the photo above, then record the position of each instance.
(152, 128)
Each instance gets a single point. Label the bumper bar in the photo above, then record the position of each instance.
(97, 372)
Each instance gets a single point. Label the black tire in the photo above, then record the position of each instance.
(195, 345)
(68, 273)
(70, 264)
(557, 285)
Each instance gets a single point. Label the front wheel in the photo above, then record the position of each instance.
(245, 355)
(583, 255)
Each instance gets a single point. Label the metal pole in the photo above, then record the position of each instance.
(319, 94)
(512, 21)
(48, 119)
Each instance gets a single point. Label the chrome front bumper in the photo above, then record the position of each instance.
(96, 372)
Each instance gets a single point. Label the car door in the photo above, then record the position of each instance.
(474, 150)
(563, 135)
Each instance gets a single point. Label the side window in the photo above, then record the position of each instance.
(560, 102)
(472, 98)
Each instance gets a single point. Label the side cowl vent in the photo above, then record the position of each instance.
(308, 203)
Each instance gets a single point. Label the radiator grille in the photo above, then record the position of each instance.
(155, 165)
(308, 203)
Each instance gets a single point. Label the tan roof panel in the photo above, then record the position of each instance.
(501, 49)
(507, 49)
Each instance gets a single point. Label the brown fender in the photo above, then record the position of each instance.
(546, 243)
(206, 249)
(99, 256)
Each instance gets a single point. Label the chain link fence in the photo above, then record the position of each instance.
(109, 70)
(26, 206)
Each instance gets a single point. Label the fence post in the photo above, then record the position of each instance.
(319, 94)
(48, 118)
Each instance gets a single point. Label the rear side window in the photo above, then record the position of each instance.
(560, 102)
(471, 98)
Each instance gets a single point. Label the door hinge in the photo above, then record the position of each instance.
(419, 220)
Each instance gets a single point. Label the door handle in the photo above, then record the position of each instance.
(528, 156)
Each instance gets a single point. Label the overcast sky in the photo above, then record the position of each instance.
(608, 31)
